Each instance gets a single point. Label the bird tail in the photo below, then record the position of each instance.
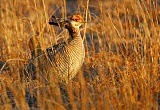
(39, 59)
(35, 47)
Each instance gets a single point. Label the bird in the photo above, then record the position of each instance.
(63, 60)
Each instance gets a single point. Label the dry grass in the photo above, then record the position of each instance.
(122, 65)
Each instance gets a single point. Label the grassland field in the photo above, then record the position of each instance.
(121, 70)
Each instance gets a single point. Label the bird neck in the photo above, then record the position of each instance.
(74, 32)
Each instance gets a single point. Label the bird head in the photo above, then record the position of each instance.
(76, 21)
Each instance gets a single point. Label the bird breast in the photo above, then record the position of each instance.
(69, 61)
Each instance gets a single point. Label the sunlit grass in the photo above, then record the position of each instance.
(122, 64)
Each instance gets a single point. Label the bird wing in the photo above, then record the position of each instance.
(53, 52)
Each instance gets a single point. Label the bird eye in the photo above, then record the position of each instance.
(76, 19)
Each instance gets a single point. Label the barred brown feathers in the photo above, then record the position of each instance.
(66, 58)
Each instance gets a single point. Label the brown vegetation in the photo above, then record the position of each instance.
(122, 65)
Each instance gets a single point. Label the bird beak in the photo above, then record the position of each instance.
(83, 21)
